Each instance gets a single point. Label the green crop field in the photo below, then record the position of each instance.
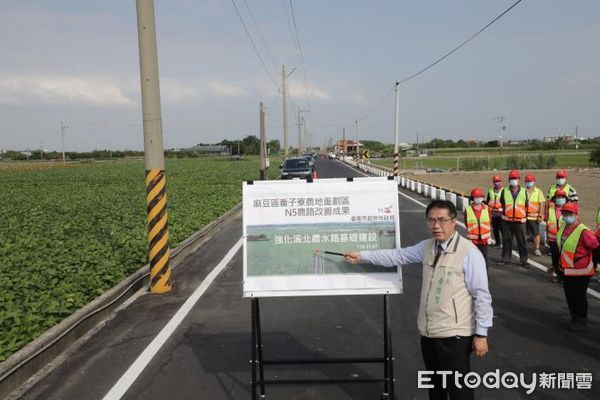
(474, 161)
(70, 233)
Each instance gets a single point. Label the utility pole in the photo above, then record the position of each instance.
(417, 143)
(344, 141)
(263, 145)
(501, 119)
(357, 143)
(397, 131)
(299, 133)
(300, 120)
(285, 121)
(156, 195)
(62, 137)
(576, 140)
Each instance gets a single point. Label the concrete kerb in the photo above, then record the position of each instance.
(463, 200)
(460, 200)
(451, 197)
(433, 192)
(25, 363)
(426, 190)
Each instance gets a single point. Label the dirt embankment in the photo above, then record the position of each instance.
(586, 182)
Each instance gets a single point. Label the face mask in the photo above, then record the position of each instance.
(560, 181)
(568, 219)
(561, 201)
(478, 200)
(497, 184)
(530, 184)
(514, 182)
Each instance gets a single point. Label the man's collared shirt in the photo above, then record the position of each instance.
(473, 267)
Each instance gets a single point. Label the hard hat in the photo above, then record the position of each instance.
(529, 178)
(496, 178)
(514, 174)
(561, 173)
(560, 193)
(570, 207)
(476, 192)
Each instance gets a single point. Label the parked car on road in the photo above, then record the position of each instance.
(296, 167)
(310, 158)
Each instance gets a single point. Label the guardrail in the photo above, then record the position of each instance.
(36, 355)
(434, 192)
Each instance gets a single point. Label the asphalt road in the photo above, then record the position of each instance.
(207, 357)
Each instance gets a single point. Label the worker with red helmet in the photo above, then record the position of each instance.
(514, 217)
(478, 218)
(493, 201)
(575, 243)
(553, 221)
(561, 183)
(536, 202)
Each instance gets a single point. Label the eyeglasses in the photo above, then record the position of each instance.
(440, 221)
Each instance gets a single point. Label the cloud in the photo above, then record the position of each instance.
(313, 91)
(61, 90)
(223, 89)
(357, 98)
(176, 92)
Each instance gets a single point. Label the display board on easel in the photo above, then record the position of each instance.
(293, 230)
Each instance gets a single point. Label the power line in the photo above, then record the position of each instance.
(460, 45)
(260, 33)
(376, 108)
(253, 44)
(287, 18)
(300, 51)
(438, 60)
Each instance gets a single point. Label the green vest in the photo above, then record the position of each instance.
(554, 187)
(571, 243)
(478, 229)
(515, 211)
(567, 252)
(494, 198)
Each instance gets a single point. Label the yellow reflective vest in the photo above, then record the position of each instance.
(567, 249)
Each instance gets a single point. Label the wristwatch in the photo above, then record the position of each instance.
(480, 336)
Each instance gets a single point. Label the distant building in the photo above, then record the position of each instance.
(346, 146)
(211, 148)
(549, 139)
(564, 138)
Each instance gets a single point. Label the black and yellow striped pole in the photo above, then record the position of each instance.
(158, 231)
(396, 160)
(156, 195)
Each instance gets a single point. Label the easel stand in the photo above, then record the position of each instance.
(258, 361)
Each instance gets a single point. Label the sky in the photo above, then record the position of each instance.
(77, 62)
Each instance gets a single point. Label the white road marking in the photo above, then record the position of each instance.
(514, 253)
(123, 384)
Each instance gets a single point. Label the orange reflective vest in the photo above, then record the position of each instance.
(552, 223)
(478, 229)
(553, 188)
(567, 252)
(534, 203)
(494, 200)
(515, 211)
